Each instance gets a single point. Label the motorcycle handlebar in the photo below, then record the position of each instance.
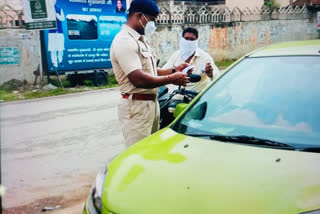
(183, 91)
(191, 92)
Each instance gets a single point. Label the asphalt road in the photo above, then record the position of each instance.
(52, 149)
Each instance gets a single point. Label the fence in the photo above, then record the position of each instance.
(181, 13)
(186, 13)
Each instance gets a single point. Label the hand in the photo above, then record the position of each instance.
(209, 70)
(182, 66)
(179, 78)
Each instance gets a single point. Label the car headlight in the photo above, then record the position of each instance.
(312, 212)
(94, 202)
(97, 190)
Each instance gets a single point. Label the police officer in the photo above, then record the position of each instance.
(134, 66)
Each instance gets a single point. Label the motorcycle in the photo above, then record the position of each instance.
(169, 101)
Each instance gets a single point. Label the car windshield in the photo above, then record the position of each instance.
(272, 98)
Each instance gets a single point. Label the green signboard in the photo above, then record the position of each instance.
(9, 56)
(38, 9)
(39, 14)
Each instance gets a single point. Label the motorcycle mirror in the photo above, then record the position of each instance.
(195, 78)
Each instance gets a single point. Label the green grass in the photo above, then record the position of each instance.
(57, 91)
(8, 96)
(225, 63)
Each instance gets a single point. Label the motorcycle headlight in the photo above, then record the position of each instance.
(312, 212)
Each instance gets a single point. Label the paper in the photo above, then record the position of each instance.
(187, 69)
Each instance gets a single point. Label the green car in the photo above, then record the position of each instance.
(248, 144)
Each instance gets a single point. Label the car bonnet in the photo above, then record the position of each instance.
(173, 173)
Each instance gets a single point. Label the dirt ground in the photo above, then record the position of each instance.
(53, 148)
(59, 205)
(69, 203)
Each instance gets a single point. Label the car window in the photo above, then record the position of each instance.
(274, 98)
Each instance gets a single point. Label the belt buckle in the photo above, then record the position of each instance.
(127, 96)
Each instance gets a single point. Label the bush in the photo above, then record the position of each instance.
(112, 80)
(88, 83)
(225, 63)
(13, 85)
(65, 83)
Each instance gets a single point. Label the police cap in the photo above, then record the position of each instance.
(148, 7)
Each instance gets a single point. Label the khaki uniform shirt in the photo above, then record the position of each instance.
(129, 52)
(199, 61)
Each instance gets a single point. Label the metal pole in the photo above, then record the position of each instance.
(56, 70)
(0, 166)
(41, 66)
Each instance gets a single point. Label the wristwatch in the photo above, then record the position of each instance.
(173, 70)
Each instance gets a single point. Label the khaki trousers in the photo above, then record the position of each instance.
(138, 119)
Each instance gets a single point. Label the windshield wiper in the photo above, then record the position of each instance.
(246, 140)
(311, 149)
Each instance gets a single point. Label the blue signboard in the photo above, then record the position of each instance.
(85, 30)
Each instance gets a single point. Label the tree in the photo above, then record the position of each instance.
(271, 4)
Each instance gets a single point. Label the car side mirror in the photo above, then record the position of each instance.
(179, 108)
(198, 112)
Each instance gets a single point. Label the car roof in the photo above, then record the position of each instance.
(294, 48)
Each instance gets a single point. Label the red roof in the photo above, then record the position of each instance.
(306, 2)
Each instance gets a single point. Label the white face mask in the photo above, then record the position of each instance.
(187, 48)
(150, 27)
